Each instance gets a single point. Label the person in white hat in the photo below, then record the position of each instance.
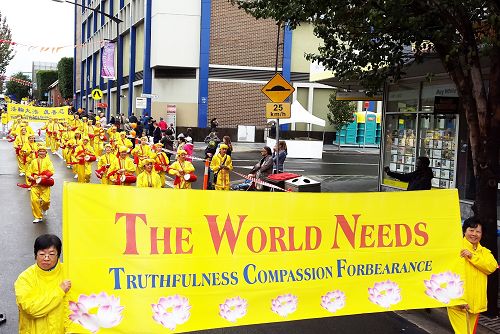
(181, 169)
(148, 177)
(40, 194)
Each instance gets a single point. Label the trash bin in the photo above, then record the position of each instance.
(303, 184)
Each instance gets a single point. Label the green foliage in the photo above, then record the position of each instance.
(43, 80)
(6, 50)
(16, 89)
(65, 77)
(340, 112)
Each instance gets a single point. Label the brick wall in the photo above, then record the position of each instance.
(237, 38)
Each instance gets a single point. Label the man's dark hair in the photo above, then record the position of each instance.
(268, 149)
(46, 241)
(471, 222)
(424, 161)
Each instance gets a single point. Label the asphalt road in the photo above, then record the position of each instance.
(17, 234)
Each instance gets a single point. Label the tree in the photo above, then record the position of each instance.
(6, 51)
(371, 41)
(17, 88)
(65, 77)
(44, 79)
(339, 113)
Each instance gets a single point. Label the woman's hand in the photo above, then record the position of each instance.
(465, 253)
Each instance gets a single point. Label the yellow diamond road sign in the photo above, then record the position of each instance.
(278, 89)
(97, 94)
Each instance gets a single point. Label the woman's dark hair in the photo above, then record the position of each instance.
(471, 222)
(46, 241)
(424, 161)
(268, 149)
(169, 132)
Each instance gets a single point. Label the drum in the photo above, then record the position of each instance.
(191, 177)
(128, 178)
(45, 181)
(100, 172)
(90, 158)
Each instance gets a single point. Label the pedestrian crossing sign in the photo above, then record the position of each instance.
(97, 94)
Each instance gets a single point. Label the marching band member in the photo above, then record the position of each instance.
(123, 141)
(74, 160)
(148, 178)
(66, 144)
(180, 169)
(123, 166)
(161, 164)
(29, 129)
(222, 165)
(105, 161)
(84, 156)
(29, 152)
(19, 142)
(40, 168)
(54, 142)
(140, 153)
(99, 138)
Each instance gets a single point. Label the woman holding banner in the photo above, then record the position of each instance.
(479, 263)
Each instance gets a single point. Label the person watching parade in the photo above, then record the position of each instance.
(104, 163)
(42, 290)
(161, 164)
(180, 168)
(221, 165)
(148, 178)
(479, 263)
(122, 167)
(39, 170)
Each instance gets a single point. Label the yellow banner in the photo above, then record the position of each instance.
(36, 114)
(152, 260)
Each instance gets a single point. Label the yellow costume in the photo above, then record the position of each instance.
(161, 166)
(149, 179)
(477, 270)
(140, 153)
(30, 152)
(19, 142)
(179, 169)
(82, 166)
(40, 195)
(223, 181)
(127, 164)
(104, 163)
(43, 305)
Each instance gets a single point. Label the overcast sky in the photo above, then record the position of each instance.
(38, 23)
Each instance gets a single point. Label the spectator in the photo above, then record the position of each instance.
(279, 156)
(272, 132)
(263, 168)
(162, 124)
(156, 133)
(168, 142)
(189, 148)
(212, 136)
(41, 290)
(213, 125)
(133, 119)
(227, 140)
(420, 179)
(172, 128)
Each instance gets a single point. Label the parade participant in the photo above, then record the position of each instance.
(105, 162)
(66, 144)
(54, 142)
(26, 125)
(141, 152)
(29, 151)
(19, 142)
(40, 168)
(148, 178)
(99, 139)
(84, 157)
(479, 263)
(124, 141)
(123, 166)
(42, 290)
(13, 131)
(161, 164)
(91, 132)
(5, 123)
(180, 168)
(222, 165)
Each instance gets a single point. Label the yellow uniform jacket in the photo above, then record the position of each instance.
(151, 180)
(178, 167)
(41, 301)
(223, 182)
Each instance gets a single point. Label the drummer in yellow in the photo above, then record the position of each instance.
(121, 166)
(161, 163)
(105, 162)
(19, 142)
(84, 156)
(99, 137)
(222, 165)
(29, 151)
(40, 195)
(123, 140)
(141, 152)
(180, 168)
(148, 178)
(56, 136)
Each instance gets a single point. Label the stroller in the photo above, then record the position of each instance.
(246, 186)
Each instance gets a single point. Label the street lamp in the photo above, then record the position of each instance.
(114, 19)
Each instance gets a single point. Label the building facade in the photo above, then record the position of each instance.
(205, 57)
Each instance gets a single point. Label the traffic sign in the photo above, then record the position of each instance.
(149, 96)
(141, 103)
(97, 94)
(278, 89)
(278, 110)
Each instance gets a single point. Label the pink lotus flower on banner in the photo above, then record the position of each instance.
(233, 309)
(96, 311)
(284, 305)
(333, 301)
(385, 294)
(171, 311)
(444, 287)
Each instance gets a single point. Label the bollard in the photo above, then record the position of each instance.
(205, 174)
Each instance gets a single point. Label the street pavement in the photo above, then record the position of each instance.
(351, 170)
